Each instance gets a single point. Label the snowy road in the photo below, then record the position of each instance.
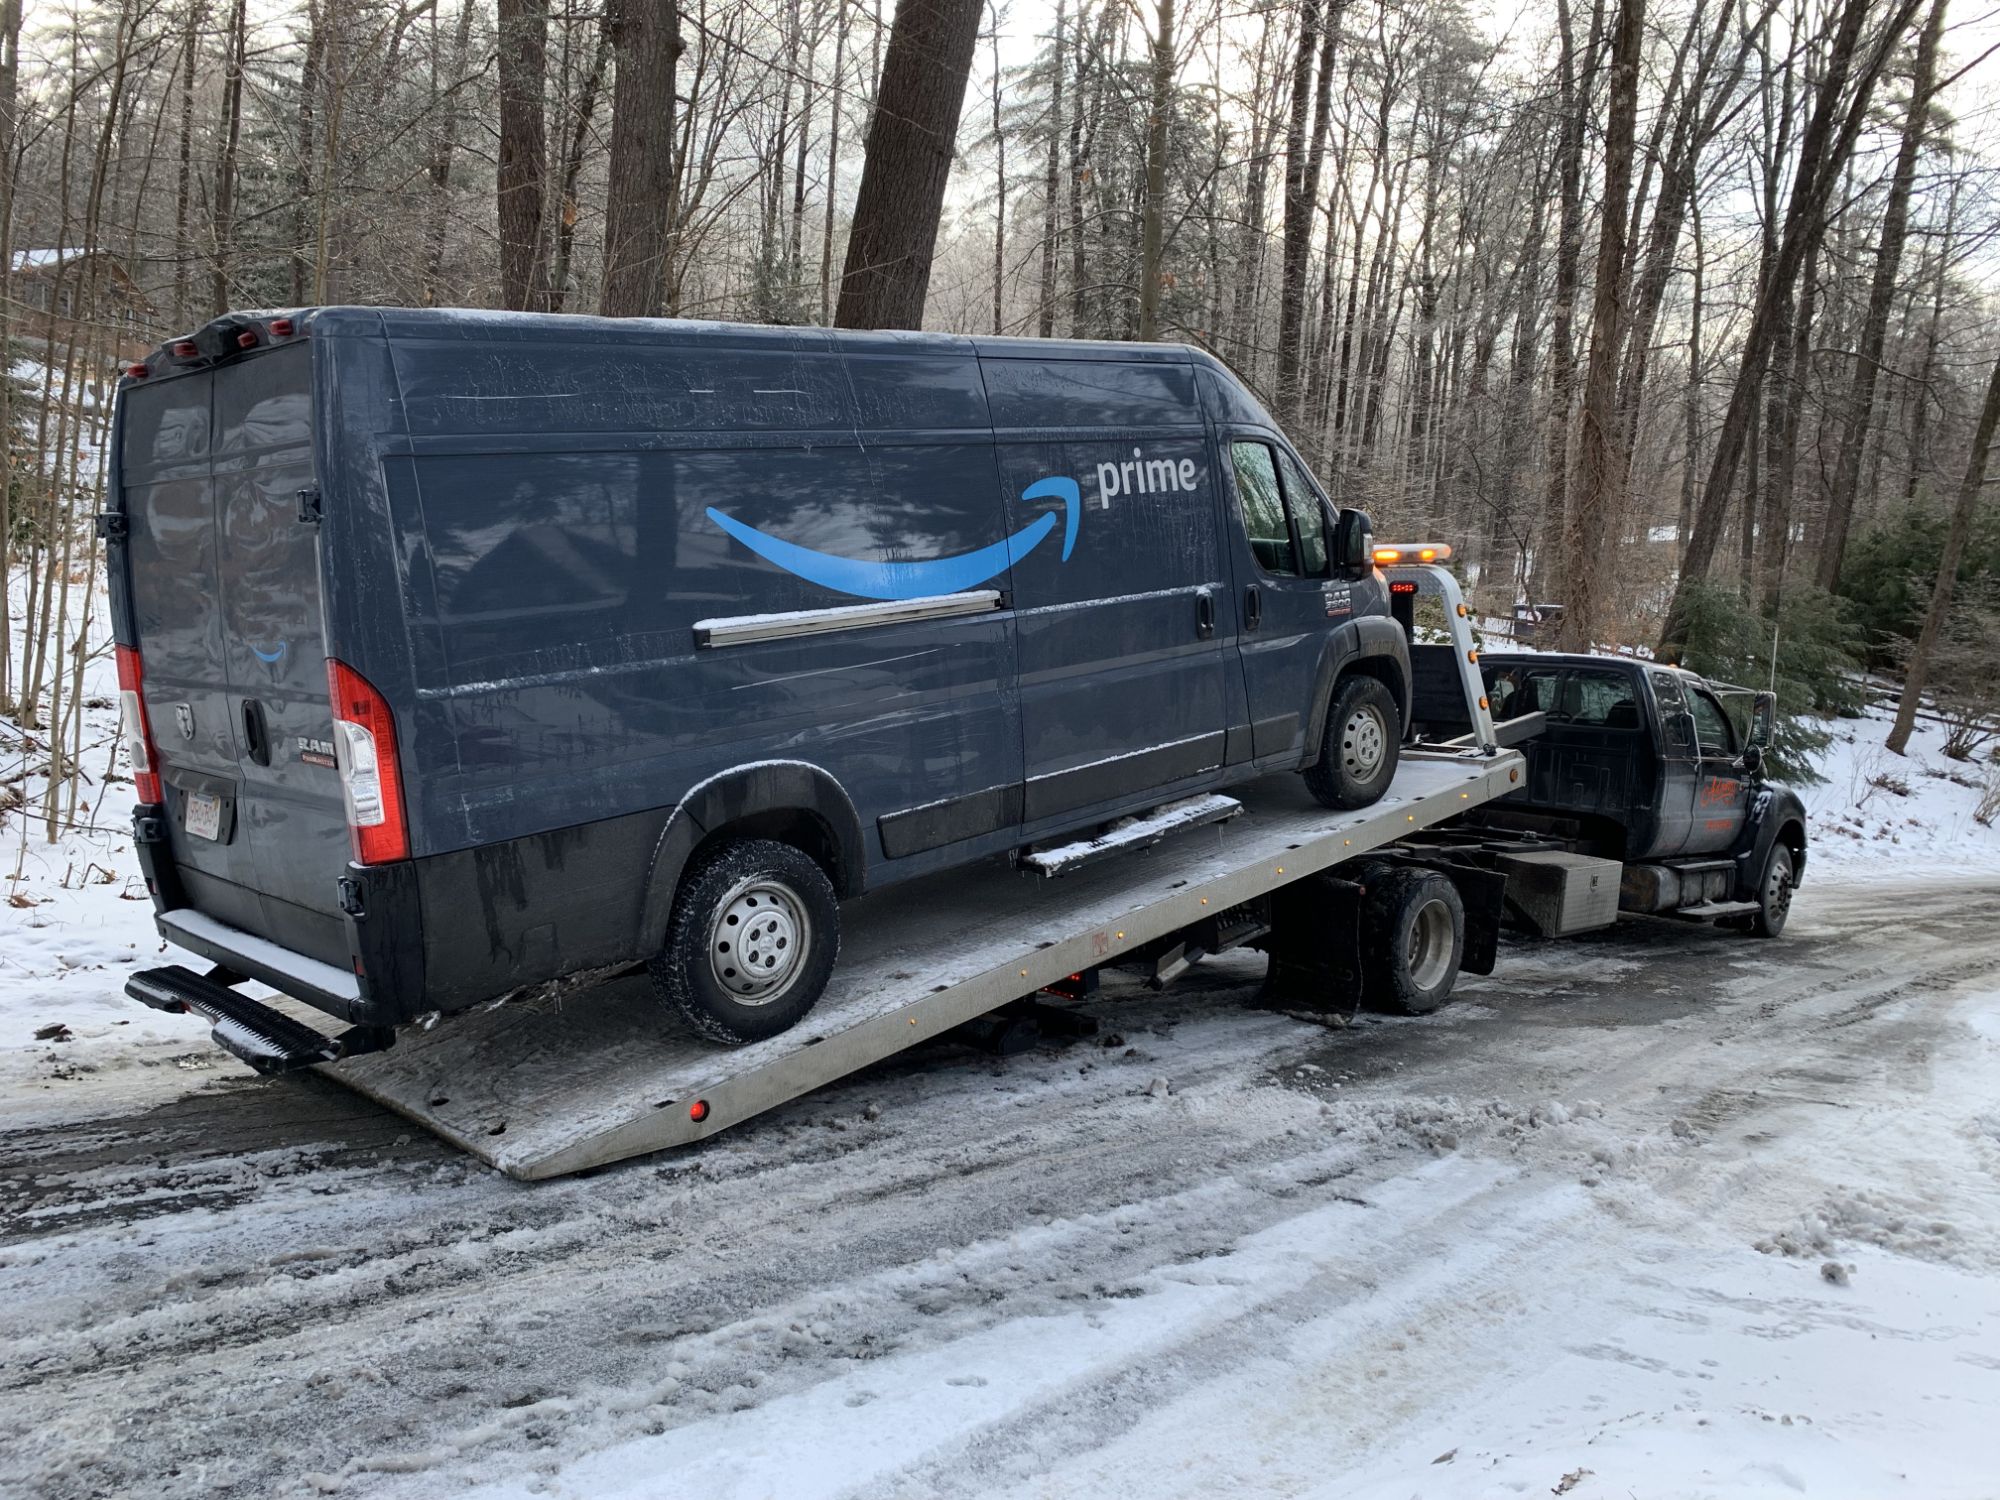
(1577, 1222)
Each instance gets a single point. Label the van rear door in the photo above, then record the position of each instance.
(223, 587)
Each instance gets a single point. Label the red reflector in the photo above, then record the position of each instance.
(185, 349)
(698, 1111)
(137, 372)
(246, 339)
(364, 744)
(281, 328)
(138, 727)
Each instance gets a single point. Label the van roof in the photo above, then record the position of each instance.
(216, 341)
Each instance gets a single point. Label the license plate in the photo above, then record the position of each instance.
(204, 815)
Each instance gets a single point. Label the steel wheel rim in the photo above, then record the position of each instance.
(1778, 893)
(1430, 944)
(1364, 742)
(758, 940)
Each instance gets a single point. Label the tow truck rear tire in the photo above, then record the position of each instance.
(1359, 747)
(1774, 892)
(751, 943)
(1412, 938)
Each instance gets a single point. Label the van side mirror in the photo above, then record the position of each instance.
(1763, 719)
(1353, 539)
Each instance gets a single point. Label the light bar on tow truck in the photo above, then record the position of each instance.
(1410, 553)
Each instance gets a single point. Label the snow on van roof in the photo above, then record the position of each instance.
(498, 321)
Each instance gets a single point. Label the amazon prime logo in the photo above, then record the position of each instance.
(868, 579)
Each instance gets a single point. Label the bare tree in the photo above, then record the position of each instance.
(910, 144)
(640, 209)
(521, 184)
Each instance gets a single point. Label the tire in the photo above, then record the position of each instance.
(734, 990)
(1359, 747)
(1412, 938)
(1774, 892)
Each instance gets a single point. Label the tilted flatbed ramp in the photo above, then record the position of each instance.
(543, 1088)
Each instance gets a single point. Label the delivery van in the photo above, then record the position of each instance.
(462, 651)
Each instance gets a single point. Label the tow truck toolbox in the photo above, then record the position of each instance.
(466, 651)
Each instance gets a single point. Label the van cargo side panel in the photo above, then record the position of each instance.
(560, 530)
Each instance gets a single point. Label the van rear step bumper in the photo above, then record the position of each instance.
(269, 1040)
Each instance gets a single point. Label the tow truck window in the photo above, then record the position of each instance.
(1263, 506)
(1523, 690)
(1600, 700)
(1711, 725)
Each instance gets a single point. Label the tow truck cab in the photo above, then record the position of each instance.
(1644, 763)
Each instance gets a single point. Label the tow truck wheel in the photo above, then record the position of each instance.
(1774, 893)
(1412, 938)
(751, 942)
(1360, 747)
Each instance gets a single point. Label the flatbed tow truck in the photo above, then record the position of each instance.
(545, 1085)
(1384, 906)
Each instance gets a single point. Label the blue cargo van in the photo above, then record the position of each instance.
(462, 651)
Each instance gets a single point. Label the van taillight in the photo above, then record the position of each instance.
(364, 746)
(138, 730)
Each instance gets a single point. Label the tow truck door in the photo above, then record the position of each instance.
(1679, 766)
(1722, 793)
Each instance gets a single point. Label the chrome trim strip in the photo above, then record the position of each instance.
(741, 630)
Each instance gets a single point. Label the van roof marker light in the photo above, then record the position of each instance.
(283, 328)
(247, 339)
(1387, 556)
(137, 372)
(186, 349)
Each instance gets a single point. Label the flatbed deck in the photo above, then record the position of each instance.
(548, 1087)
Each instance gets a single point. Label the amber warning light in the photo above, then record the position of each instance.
(1412, 552)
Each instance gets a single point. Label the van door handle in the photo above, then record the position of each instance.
(256, 734)
(1253, 607)
(1204, 615)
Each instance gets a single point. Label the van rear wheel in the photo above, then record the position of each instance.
(751, 942)
(1359, 747)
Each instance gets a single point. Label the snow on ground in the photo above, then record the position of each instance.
(1917, 812)
(1647, 1215)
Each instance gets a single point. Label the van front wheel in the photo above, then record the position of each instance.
(1360, 746)
(751, 943)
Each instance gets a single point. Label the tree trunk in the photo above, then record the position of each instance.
(1573, 94)
(910, 145)
(1000, 186)
(521, 181)
(1823, 152)
(1947, 575)
(1153, 232)
(1045, 324)
(308, 145)
(1591, 521)
(646, 39)
(225, 169)
(1881, 297)
(1782, 463)
(10, 118)
(833, 103)
(576, 143)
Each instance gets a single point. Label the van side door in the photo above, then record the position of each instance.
(1115, 603)
(1286, 596)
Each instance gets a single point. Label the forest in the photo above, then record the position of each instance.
(1676, 313)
